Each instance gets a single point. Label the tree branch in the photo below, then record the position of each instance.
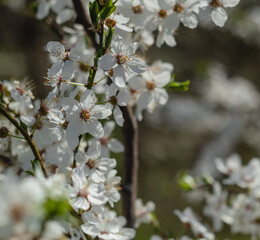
(130, 132)
(82, 18)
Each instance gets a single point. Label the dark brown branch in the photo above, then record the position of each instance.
(83, 19)
(130, 132)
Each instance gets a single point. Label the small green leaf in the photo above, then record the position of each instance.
(180, 86)
(24, 126)
(108, 38)
(94, 11)
(30, 173)
(107, 11)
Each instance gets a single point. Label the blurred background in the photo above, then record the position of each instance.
(218, 116)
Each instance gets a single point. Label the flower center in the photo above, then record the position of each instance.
(53, 168)
(162, 14)
(110, 22)
(121, 59)
(137, 9)
(20, 90)
(104, 140)
(64, 125)
(113, 100)
(216, 3)
(83, 193)
(90, 163)
(178, 8)
(84, 115)
(111, 72)
(150, 85)
(66, 56)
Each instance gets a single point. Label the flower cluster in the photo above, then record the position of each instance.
(66, 140)
(233, 200)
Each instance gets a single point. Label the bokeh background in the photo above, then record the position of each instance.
(218, 116)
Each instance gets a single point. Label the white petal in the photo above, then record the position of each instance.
(118, 116)
(117, 45)
(55, 69)
(67, 70)
(107, 61)
(230, 3)
(123, 97)
(56, 49)
(64, 16)
(124, 27)
(136, 66)
(100, 111)
(119, 76)
(132, 48)
(137, 83)
(109, 128)
(115, 146)
(94, 127)
(219, 16)
(88, 99)
(162, 78)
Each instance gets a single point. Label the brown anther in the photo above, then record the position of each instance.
(178, 8)
(84, 115)
(59, 80)
(90, 163)
(150, 85)
(53, 168)
(21, 91)
(65, 125)
(133, 91)
(111, 72)
(110, 22)
(216, 3)
(137, 9)
(66, 57)
(121, 59)
(162, 14)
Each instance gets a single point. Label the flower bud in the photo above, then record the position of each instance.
(3, 132)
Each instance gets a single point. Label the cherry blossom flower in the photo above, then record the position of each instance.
(83, 117)
(216, 10)
(120, 60)
(63, 60)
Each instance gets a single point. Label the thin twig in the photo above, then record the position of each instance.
(27, 138)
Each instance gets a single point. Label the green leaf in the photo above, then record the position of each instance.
(57, 207)
(30, 173)
(94, 12)
(108, 38)
(180, 86)
(107, 11)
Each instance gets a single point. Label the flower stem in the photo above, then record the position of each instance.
(35, 126)
(18, 137)
(76, 84)
(26, 137)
